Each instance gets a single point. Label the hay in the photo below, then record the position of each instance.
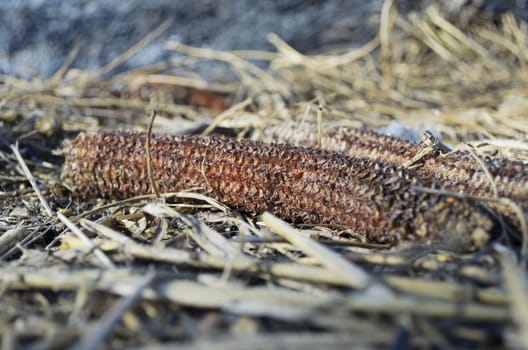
(143, 273)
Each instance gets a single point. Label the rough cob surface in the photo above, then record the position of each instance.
(298, 184)
(457, 171)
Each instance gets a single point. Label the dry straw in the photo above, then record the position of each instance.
(223, 276)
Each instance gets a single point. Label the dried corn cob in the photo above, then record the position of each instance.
(298, 184)
(456, 171)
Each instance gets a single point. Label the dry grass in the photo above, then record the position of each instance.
(143, 273)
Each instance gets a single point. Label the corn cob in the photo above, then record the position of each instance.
(298, 184)
(457, 171)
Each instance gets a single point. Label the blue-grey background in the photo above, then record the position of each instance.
(37, 35)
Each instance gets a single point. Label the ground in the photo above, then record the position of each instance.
(80, 270)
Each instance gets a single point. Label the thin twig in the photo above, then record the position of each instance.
(94, 338)
(31, 179)
(135, 49)
(334, 262)
(59, 74)
(226, 114)
(153, 184)
(76, 231)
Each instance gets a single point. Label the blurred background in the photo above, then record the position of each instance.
(36, 36)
